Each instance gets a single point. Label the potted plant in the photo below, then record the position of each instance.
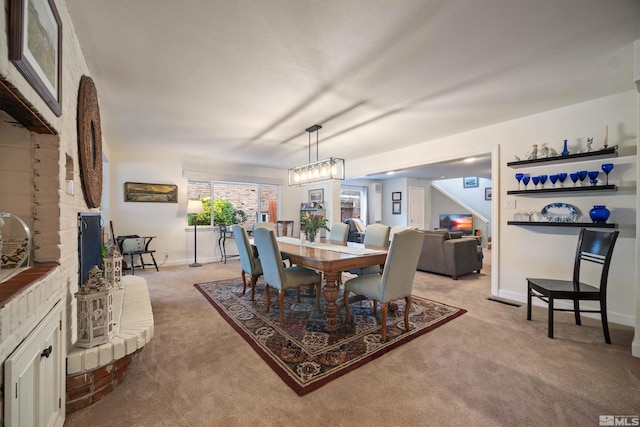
(312, 224)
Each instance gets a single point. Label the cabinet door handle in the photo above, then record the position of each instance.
(46, 352)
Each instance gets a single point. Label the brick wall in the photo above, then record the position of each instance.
(87, 388)
(241, 196)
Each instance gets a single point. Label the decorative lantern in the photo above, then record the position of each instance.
(95, 315)
(113, 268)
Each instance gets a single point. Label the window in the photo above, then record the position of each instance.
(352, 203)
(233, 202)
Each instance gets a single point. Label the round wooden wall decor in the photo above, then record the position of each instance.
(90, 142)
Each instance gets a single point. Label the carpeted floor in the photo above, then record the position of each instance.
(489, 367)
(300, 351)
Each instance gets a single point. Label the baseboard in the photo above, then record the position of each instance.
(614, 317)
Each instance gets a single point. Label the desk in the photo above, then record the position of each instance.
(332, 264)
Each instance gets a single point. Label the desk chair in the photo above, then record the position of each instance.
(595, 247)
(132, 245)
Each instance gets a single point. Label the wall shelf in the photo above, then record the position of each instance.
(564, 224)
(606, 152)
(565, 189)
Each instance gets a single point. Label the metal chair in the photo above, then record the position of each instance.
(594, 247)
(133, 245)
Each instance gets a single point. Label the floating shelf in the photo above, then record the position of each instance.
(564, 224)
(565, 189)
(606, 152)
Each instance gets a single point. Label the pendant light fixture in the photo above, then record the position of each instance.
(321, 170)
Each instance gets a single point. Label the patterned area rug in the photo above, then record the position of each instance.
(300, 351)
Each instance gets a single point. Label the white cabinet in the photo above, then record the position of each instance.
(34, 376)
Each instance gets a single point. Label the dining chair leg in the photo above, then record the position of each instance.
(385, 307)
(345, 298)
(254, 279)
(244, 283)
(281, 300)
(375, 308)
(407, 308)
(298, 295)
(576, 311)
(550, 333)
(605, 323)
(268, 295)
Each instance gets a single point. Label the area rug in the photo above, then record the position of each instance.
(300, 351)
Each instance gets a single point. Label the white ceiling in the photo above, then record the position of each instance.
(240, 80)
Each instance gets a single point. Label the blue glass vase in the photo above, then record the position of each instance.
(599, 214)
(565, 151)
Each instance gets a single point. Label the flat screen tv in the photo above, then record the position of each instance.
(457, 222)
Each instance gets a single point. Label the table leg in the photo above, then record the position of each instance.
(330, 296)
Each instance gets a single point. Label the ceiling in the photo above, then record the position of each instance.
(240, 81)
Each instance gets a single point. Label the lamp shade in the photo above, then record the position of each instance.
(195, 207)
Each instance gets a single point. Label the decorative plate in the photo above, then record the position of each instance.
(559, 208)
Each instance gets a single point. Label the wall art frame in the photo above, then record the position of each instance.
(143, 192)
(470, 181)
(396, 208)
(488, 194)
(37, 53)
(396, 196)
(316, 196)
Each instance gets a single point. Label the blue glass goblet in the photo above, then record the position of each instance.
(582, 175)
(553, 178)
(561, 177)
(593, 177)
(607, 167)
(543, 179)
(535, 180)
(519, 178)
(574, 178)
(525, 180)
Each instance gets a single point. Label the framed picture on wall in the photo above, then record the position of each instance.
(35, 47)
(396, 196)
(396, 208)
(487, 193)
(316, 196)
(470, 181)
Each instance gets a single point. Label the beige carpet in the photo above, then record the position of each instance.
(490, 367)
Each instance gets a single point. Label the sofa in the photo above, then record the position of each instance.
(356, 230)
(448, 253)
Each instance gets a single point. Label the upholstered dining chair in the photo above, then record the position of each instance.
(376, 235)
(268, 225)
(279, 277)
(284, 228)
(395, 282)
(339, 232)
(595, 247)
(249, 263)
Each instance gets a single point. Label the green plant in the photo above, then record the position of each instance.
(313, 223)
(223, 213)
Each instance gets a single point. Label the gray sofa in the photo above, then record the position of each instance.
(449, 254)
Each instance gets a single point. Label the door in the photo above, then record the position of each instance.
(416, 207)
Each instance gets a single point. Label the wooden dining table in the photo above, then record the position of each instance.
(328, 257)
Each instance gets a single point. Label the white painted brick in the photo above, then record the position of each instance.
(105, 354)
(74, 361)
(90, 358)
(118, 348)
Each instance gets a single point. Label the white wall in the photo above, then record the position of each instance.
(528, 251)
